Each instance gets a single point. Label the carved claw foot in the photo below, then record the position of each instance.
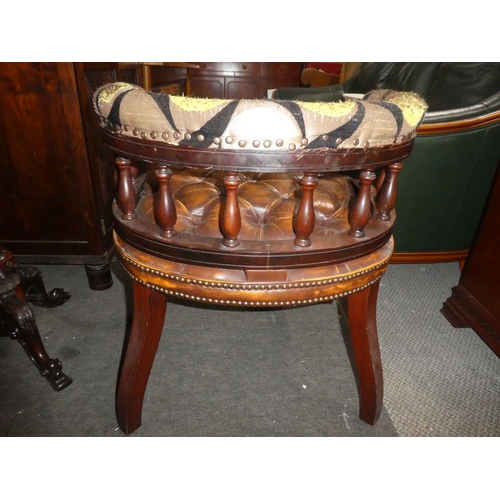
(53, 373)
(34, 288)
(54, 298)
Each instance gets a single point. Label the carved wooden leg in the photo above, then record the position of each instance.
(149, 315)
(19, 322)
(33, 288)
(363, 325)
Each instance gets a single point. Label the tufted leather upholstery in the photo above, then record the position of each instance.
(267, 204)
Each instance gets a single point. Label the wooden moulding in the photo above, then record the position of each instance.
(463, 310)
(458, 125)
(430, 257)
(314, 160)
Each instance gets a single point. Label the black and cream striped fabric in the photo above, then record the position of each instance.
(380, 118)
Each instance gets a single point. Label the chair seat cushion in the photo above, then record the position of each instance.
(381, 118)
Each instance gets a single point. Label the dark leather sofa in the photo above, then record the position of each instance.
(444, 185)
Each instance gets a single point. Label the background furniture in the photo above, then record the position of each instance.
(475, 301)
(18, 286)
(241, 80)
(168, 77)
(223, 80)
(56, 185)
(444, 189)
(246, 207)
(327, 74)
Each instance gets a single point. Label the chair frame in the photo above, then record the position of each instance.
(162, 262)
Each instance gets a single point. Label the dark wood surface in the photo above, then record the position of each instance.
(222, 80)
(56, 185)
(241, 80)
(19, 286)
(475, 301)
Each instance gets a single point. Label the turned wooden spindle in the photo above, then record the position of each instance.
(360, 213)
(305, 219)
(125, 197)
(387, 194)
(164, 208)
(380, 181)
(230, 222)
(134, 172)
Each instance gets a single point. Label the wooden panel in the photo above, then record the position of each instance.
(238, 88)
(57, 178)
(241, 80)
(44, 157)
(207, 87)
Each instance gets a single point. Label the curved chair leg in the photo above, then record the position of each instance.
(19, 322)
(363, 326)
(149, 316)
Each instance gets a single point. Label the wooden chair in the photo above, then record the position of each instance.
(247, 203)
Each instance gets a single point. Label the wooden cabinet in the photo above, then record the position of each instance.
(241, 80)
(475, 301)
(57, 178)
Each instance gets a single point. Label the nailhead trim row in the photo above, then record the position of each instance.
(231, 286)
(229, 140)
(244, 303)
(248, 287)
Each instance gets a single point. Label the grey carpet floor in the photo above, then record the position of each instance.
(439, 380)
(256, 373)
(217, 372)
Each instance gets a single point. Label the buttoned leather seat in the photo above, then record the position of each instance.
(254, 203)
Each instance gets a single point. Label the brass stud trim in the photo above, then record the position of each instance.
(250, 287)
(229, 302)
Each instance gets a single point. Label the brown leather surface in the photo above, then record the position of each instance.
(267, 204)
(225, 286)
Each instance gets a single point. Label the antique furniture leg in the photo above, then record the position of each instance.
(149, 315)
(18, 285)
(363, 325)
(18, 321)
(33, 288)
